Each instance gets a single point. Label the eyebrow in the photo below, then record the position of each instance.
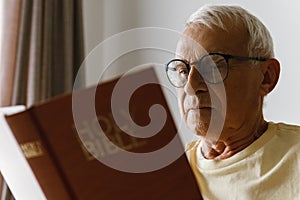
(218, 51)
(205, 53)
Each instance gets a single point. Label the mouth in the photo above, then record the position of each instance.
(205, 107)
(200, 108)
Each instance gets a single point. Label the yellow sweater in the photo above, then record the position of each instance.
(267, 169)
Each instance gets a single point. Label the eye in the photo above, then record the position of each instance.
(182, 70)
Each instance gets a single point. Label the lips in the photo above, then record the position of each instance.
(196, 103)
(201, 107)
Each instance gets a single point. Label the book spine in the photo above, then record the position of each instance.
(35, 150)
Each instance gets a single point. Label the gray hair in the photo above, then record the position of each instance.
(260, 42)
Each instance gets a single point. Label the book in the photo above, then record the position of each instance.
(13, 165)
(116, 140)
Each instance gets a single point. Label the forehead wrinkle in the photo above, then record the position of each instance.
(188, 49)
(224, 42)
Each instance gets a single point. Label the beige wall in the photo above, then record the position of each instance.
(105, 18)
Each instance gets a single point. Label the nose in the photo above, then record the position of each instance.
(195, 82)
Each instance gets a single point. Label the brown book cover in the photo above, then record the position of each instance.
(113, 141)
(1, 184)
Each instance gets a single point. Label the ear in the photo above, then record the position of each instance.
(271, 72)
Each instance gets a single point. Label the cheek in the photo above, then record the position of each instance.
(241, 100)
(180, 98)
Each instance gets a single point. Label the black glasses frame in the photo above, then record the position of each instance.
(225, 56)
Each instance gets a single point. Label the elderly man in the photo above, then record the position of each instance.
(224, 67)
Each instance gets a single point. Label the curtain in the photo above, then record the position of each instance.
(41, 50)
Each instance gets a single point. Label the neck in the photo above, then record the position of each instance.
(227, 147)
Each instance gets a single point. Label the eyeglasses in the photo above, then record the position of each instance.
(213, 67)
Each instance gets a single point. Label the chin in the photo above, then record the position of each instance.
(203, 126)
(199, 128)
(197, 123)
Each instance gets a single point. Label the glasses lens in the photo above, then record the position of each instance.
(213, 68)
(177, 73)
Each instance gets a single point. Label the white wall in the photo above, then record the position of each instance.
(105, 18)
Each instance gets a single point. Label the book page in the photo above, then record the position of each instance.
(13, 164)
